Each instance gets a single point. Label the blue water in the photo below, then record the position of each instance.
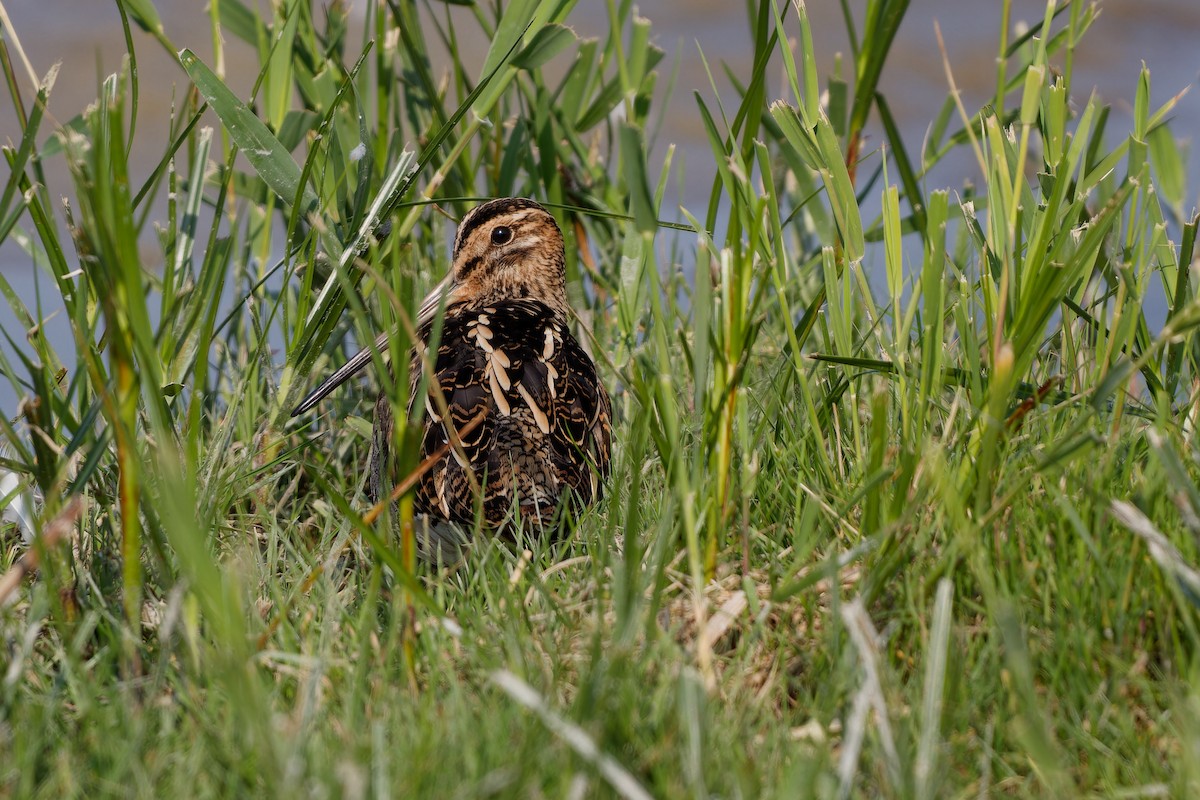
(87, 39)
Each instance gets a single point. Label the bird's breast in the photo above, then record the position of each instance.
(518, 366)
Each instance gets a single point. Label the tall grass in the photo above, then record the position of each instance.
(902, 505)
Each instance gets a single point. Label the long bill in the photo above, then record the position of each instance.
(432, 303)
(341, 375)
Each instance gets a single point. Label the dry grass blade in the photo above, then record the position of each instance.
(870, 696)
(54, 532)
(935, 685)
(619, 778)
(724, 617)
(1164, 553)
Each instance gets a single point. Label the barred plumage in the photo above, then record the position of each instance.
(506, 355)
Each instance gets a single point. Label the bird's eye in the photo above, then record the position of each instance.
(502, 234)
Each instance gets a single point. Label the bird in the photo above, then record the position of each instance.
(515, 416)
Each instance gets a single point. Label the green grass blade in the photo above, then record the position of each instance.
(270, 159)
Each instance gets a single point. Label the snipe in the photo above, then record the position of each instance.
(533, 415)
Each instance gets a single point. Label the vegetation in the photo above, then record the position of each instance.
(903, 505)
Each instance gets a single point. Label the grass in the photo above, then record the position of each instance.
(929, 534)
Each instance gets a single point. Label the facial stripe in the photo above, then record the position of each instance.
(472, 264)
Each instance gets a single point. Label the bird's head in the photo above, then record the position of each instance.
(506, 249)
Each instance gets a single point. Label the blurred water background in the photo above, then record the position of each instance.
(86, 39)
